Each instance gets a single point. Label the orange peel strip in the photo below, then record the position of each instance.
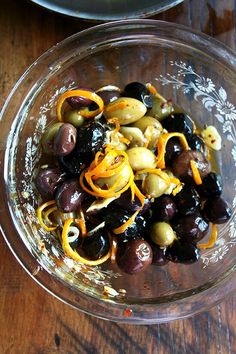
(40, 216)
(212, 240)
(123, 227)
(75, 255)
(48, 212)
(84, 111)
(195, 172)
(113, 250)
(154, 91)
(113, 106)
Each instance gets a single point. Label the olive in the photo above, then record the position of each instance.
(178, 122)
(147, 122)
(211, 185)
(120, 179)
(133, 256)
(64, 140)
(115, 217)
(154, 185)
(47, 181)
(173, 149)
(97, 245)
(182, 168)
(90, 139)
(141, 158)
(76, 102)
(217, 210)
(196, 143)
(191, 227)
(71, 164)
(48, 137)
(160, 108)
(187, 200)
(158, 253)
(164, 208)
(125, 202)
(162, 234)
(74, 118)
(108, 95)
(73, 237)
(182, 251)
(140, 92)
(69, 195)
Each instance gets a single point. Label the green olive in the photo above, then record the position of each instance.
(123, 177)
(140, 158)
(154, 185)
(162, 234)
(144, 123)
(48, 137)
(134, 135)
(160, 109)
(74, 118)
(126, 109)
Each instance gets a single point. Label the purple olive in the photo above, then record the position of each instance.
(125, 202)
(133, 256)
(69, 196)
(65, 140)
(76, 102)
(108, 95)
(164, 208)
(173, 149)
(159, 257)
(47, 182)
(217, 210)
(191, 227)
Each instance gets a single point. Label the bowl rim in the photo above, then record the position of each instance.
(99, 307)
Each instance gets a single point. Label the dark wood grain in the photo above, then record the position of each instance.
(31, 321)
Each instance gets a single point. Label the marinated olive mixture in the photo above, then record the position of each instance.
(131, 180)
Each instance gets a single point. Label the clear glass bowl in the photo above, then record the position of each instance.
(105, 10)
(194, 70)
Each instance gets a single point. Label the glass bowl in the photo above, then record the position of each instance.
(196, 72)
(108, 9)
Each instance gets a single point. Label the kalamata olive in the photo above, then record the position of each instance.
(140, 158)
(133, 256)
(126, 109)
(71, 164)
(154, 185)
(147, 122)
(217, 210)
(182, 252)
(178, 122)
(115, 217)
(108, 95)
(173, 149)
(64, 140)
(160, 108)
(90, 138)
(74, 117)
(162, 234)
(187, 200)
(192, 228)
(76, 102)
(97, 245)
(69, 195)
(211, 186)
(140, 92)
(164, 208)
(182, 168)
(47, 181)
(125, 202)
(48, 137)
(158, 253)
(196, 143)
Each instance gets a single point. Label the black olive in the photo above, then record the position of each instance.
(187, 200)
(90, 139)
(108, 95)
(47, 182)
(140, 92)
(74, 242)
(125, 202)
(97, 245)
(71, 164)
(196, 143)
(217, 210)
(76, 102)
(164, 208)
(159, 257)
(133, 256)
(173, 149)
(182, 168)
(182, 252)
(211, 186)
(178, 122)
(69, 195)
(192, 228)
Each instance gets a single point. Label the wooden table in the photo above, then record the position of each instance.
(31, 320)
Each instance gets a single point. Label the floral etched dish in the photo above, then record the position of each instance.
(196, 73)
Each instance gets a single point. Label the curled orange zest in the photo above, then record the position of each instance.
(75, 255)
(85, 112)
(48, 212)
(154, 91)
(195, 172)
(113, 106)
(123, 227)
(212, 239)
(161, 146)
(81, 223)
(40, 216)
